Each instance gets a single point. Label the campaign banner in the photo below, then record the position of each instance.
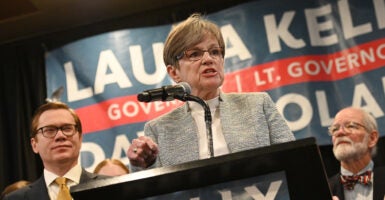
(313, 57)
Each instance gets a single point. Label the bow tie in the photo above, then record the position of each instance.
(350, 181)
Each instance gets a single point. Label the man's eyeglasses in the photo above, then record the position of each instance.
(51, 131)
(349, 127)
(197, 54)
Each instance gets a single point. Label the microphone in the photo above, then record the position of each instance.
(166, 93)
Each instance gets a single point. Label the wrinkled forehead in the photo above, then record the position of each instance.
(347, 115)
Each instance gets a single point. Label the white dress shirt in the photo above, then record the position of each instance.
(219, 142)
(73, 176)
(360, 192)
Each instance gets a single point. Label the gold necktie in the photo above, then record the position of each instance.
(64, 193)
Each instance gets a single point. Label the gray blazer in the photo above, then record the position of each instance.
(38, 189)
(249, 120)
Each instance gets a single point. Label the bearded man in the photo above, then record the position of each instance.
(355, 135)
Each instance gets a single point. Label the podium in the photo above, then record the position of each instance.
(292, 170)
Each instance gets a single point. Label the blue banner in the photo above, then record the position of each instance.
(313, 57)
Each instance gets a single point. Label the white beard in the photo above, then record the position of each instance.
(350, 150)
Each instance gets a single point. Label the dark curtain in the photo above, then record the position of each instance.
(22, 91)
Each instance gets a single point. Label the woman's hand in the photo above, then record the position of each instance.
(142, 152)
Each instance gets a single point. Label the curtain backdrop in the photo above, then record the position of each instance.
(22, 90)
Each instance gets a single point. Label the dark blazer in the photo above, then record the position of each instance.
(38, 189)
(378, 184)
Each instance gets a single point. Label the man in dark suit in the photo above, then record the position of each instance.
(355, 134)
(56, 136)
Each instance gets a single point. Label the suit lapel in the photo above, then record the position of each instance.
(336, 186)
(38, 190)
(233, 125)
(182, 131)
(227, 123)
(379, 183)
(188, 134)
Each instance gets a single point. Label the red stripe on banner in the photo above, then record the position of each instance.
(302, 69)
(309, 68)
(120, 111)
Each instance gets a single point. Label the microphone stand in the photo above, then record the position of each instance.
(208, 119)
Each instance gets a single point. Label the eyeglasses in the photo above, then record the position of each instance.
(197, 54)
(349, 127)
(51, 131)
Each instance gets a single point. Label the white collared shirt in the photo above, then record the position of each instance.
(73, 176)
(360, 192)
(219, 142)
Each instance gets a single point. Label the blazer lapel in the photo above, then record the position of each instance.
(336, 186)
(234, 126)
(379, 183)
(38, 190)
(178, 137)
(187, 135)
(227, 122)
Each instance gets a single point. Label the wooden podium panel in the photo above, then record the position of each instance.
(292, 170)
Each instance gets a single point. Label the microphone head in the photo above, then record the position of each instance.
(165, 93)
(186, 87)
(144, 97)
